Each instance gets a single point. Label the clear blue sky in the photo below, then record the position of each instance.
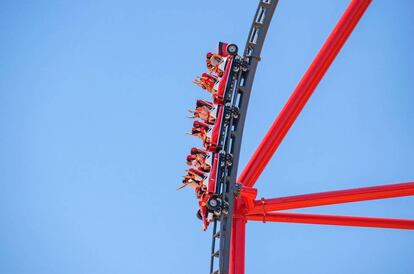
(93, 98)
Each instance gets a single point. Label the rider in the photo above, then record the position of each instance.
(205, 111)
(188, 182)
(200, 151)
(206, 81)
(200, 129)
(195, 178)
(213, 61)
(199, 162)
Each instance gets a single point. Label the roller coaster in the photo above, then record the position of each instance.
(227, 202)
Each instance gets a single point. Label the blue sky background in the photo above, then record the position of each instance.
(93, 98)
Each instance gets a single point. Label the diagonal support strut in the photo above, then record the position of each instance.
(303, 91)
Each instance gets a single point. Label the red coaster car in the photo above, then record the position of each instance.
(228, 52)
(210, 205)
(207, 188)
(222, 64)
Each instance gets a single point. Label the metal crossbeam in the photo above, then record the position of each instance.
(301, 218)
(333, 197)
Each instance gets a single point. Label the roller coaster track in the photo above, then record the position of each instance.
(243, 87)
(228, 239)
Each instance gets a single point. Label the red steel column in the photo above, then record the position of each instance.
(238, 239)
(303, 91)
(333, 197)
(333, 220)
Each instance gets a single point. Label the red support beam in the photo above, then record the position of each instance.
(303, 91)
(238, 238)
(333, 197)
(332, 220)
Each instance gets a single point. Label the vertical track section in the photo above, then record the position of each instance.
(242, 90)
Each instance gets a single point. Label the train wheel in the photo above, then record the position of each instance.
(213, 204)
(232, 49)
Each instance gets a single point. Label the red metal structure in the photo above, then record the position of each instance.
(246, 208)
(234, 198)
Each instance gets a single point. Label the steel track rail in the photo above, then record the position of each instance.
(244, 84)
